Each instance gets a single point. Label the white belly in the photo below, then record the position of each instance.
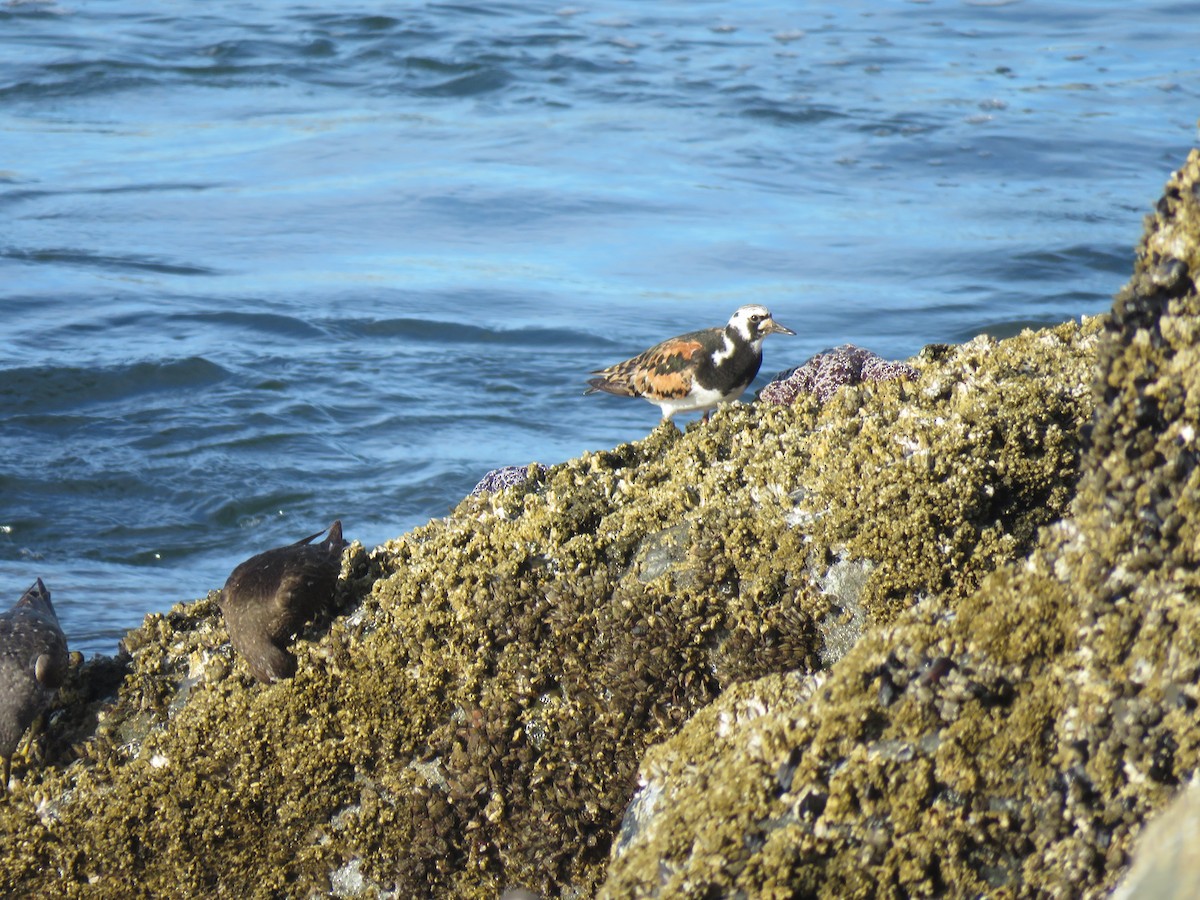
(699, 400)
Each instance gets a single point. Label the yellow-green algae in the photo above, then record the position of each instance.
(473, 716)
(1006, 744)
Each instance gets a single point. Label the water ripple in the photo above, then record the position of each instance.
(446, 332)
(483, 81)
(112, 262)
(36, 390)
(264, 323)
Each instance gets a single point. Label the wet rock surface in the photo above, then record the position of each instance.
(937, 659)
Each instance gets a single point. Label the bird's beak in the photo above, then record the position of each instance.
(772, 327)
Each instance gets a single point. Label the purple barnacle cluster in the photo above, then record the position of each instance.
(506, 477)
(825, 372)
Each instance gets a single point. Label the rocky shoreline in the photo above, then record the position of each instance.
(931, 636)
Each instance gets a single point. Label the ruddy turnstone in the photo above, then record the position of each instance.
(695, 371)
(269, 597)
(33, 663)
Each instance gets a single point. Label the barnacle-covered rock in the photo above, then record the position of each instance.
(508, 476)
(1010, 740)
(931, 671)
(471, 714)
(825, 372)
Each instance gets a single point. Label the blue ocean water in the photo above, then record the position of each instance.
(268, 264)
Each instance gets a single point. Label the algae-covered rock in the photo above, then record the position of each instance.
(474, 718)
(471, 719)
(1005, 741)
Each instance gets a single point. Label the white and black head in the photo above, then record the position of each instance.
(753, 323)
